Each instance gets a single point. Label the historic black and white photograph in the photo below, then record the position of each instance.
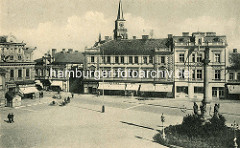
(119, 73)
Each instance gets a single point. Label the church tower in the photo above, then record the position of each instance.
(120, 32)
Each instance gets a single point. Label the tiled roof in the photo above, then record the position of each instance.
(132, 47)
(74, 57)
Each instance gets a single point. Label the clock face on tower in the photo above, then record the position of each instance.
(121, 24)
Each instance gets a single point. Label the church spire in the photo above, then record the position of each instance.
(120, 11)
(120, 32)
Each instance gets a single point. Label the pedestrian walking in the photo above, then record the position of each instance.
(68, 99)
(72, 95)
(12, 117)
(9, 118)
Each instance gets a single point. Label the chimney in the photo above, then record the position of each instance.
(210, 33)
(235, 50)
(144, 37)
(63, 50)
(70, 50)
(107, 38)
(185, 34)
(170, 35)
(54, 52)
(134, 37)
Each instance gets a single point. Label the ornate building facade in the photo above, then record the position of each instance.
(16, 60)
(134, 66)
(189, 54)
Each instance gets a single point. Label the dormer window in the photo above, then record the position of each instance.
(216, 39)
(181, 39)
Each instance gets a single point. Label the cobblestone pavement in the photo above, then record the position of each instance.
(127, 122)
(77, 125)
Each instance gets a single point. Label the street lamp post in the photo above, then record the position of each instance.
(163, 120)
(235, 128)
(103, 107)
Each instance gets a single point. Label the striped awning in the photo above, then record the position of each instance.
(28, 90)
(163, 88)
(156, 88)
(108, 86)
(133, 87)
(147, 88)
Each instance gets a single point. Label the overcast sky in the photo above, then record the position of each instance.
(75, 24)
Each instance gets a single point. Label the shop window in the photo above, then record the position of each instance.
(198, 90)
(214, 91)
(182, 89)
(221, 92)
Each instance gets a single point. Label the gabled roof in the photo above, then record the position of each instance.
(133, 46)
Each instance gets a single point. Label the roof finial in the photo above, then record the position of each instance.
(120, 11)
(99, 38)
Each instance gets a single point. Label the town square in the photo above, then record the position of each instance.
(118, 73)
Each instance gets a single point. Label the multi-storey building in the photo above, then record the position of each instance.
(189, 53)
(131, 64)
(181, 56)
(233, 79)
(16, 60)
(53, 70)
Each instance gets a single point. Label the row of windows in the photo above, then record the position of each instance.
(199, 57)
(197, 89)
(19, 73)
(199, 74)
(11, 57)
(232, 77)
(131, 59)
(19, 49)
